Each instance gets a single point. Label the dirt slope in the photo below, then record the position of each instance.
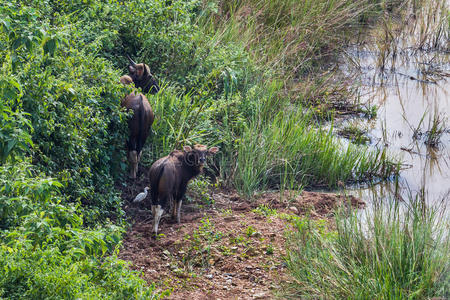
(231, 249)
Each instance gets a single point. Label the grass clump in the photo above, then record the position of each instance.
(289, 37)
(354, 133)
(289, 151)
(433, 133)
(436, 128)
(402, 252)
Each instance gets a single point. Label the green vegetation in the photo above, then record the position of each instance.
(47, 253)
(401, 252)
(437, 127)
(200, 244)
(290, 151)
(354, 133)
(225, 68)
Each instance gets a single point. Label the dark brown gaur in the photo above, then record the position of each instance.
(138, 125)
(169, 177)
(142, 78)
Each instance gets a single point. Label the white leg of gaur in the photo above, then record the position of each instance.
(154, 216)
(178, 204)
(158, 213)
(174, 209)
(133, 160)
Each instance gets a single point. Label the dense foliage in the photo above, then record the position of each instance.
(62, 132)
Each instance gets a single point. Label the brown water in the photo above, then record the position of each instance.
(404, 69)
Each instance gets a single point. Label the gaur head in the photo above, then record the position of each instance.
(138, 72)
(196, 157)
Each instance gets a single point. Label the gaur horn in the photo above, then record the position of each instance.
(131, 61)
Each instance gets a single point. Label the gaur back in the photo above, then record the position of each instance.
(139, 127)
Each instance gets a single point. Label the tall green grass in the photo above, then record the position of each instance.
(266, 142)
(291, 37)
(289, 150)
(402, 252)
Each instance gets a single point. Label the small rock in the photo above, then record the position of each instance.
(260, 295)
(256, 234)
(173, 267)
(209, 276)
(251, 251)
(293, 209)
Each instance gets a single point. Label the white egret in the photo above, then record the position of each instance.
(141, 196)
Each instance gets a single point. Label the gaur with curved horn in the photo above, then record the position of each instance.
(142, 78)
(131, 61)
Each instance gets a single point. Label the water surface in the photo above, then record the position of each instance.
(406, 74)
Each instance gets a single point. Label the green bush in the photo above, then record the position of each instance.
(29, 273)
(70, 100)
(47, 253)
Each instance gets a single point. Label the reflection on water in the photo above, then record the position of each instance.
(408, 78)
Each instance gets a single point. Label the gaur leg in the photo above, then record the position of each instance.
(178, 200)
(174, 208)
(133, 160)
(178, 205)
(158, 208)
(153, 211)
(158, 211)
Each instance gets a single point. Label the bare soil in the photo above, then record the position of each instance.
(229, 249)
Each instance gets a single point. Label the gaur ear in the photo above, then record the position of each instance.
(213, 150)
(126, 80)
(187, 148)
(146, 69)
(131, 68)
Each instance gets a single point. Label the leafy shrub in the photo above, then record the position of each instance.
(71, 100)
(46, 253)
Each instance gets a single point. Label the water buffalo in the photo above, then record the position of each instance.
(142, 78)
(169, 177)
(138, 125)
